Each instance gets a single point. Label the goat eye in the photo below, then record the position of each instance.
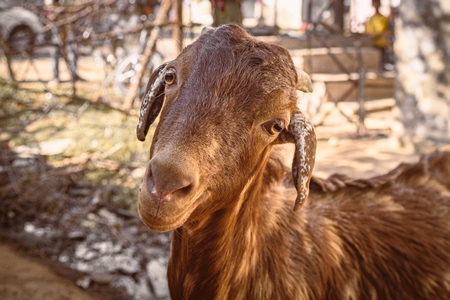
(274, 127)
(170, 77)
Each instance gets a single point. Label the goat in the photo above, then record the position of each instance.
(216, 178)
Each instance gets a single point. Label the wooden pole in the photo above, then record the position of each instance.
(178, 28)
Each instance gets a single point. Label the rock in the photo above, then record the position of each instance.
(127, 264)
(125, 283)
(55, 147)
(102, 278)
(157, 272)
(84, 282)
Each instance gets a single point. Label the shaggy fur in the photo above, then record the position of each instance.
(217, 180)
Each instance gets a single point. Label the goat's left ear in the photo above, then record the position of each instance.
(152, 102)
(304, 83)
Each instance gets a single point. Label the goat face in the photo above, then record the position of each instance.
(227, 99)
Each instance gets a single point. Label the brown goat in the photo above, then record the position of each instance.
(216, 179)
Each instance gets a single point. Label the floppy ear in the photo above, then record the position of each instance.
(301, 132)
(152, 102)
(304, 138)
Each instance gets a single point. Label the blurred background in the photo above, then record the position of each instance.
(72, 73)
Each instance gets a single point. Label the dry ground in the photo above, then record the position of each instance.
(22, 277)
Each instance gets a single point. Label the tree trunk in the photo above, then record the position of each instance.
(422, 49)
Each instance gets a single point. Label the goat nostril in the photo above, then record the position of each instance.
(167, 188)
(176, 191)
(151, 187)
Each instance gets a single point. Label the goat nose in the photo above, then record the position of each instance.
(168, 179)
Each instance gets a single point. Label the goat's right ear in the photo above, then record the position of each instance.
(152, 102)
(301, 133)
(305, 154)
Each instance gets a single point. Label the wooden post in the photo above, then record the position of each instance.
(178, 28)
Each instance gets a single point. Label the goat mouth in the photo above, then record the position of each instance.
(162, 223)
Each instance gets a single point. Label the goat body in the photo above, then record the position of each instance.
(217, 180)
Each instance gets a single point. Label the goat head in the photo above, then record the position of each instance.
(227, 99)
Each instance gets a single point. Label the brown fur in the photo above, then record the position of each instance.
(215, 179)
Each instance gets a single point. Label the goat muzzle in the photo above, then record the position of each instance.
(168, 192)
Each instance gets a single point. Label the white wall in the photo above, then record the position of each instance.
(288, 13)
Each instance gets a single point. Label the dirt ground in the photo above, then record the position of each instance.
(23, 277)
(24, 274)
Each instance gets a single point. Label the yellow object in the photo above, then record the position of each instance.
(378, 27)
